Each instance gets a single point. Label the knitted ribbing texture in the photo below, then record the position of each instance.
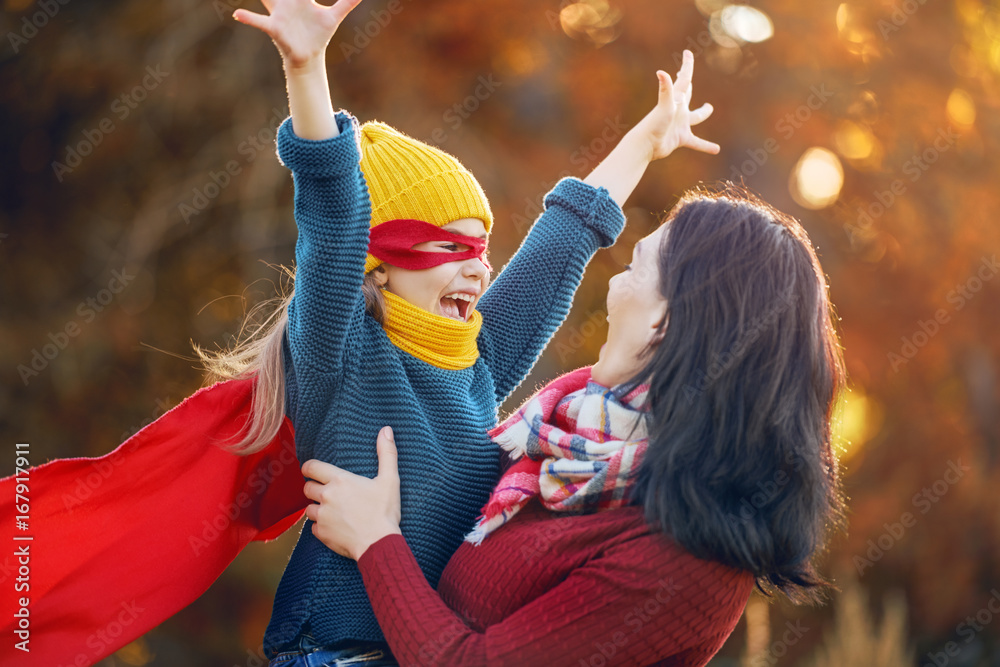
(438, 340)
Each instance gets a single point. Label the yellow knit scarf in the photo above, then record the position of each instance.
(438, 340)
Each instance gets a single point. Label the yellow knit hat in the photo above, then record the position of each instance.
(412, 180)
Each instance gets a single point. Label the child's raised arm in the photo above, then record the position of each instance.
(332, 209)
(664, 129)
(301, 30)
(532, 295)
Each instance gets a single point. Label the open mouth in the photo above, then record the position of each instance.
(457, 306)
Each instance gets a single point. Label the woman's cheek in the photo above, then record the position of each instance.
(617, 295)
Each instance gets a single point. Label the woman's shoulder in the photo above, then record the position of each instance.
(638, 531)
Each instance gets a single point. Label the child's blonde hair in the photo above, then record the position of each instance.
(258, 353)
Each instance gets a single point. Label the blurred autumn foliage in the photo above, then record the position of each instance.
(142, 204)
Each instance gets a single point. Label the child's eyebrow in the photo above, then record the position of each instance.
(484, 235)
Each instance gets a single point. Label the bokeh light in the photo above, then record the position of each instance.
(854, 141)
(817, 179)
(961, 108)
(858, 419)
(595, 20)
(747, 23)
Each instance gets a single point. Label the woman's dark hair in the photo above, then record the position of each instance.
(740, 466)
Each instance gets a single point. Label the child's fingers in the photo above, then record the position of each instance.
(699, 144)
(666, 93)
(683, 83)
(344, 7)
(251, 19)
(700, 114)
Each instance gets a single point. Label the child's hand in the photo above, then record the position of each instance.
(668, 126)
(301, 29)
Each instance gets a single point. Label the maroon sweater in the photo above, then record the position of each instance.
(550, 589)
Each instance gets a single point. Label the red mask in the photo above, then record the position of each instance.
(393, 242)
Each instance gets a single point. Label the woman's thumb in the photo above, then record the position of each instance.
(386, 448)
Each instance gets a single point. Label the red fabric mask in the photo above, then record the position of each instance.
(393, 242)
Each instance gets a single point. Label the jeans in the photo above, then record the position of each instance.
(311, 654)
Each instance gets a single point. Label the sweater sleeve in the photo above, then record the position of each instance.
(532, 295)
(332, 212)
(628, 604)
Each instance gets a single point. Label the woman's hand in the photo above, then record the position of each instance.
(301, 29)
(668, 126)
(354, 512)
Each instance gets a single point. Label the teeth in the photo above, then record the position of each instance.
(460, 295)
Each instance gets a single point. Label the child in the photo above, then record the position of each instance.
(448, 350)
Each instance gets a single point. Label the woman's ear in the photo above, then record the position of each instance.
(381, 276)
(659, 329)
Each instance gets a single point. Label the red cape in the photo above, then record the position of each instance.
(122, 542)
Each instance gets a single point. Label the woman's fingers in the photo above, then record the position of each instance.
(320, 471)
(313, 491)
(386, 450)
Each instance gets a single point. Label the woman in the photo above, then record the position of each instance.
(636, 549)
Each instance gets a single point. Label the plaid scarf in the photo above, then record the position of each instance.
(579, 444)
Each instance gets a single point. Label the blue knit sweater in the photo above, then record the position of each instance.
(345, 380)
